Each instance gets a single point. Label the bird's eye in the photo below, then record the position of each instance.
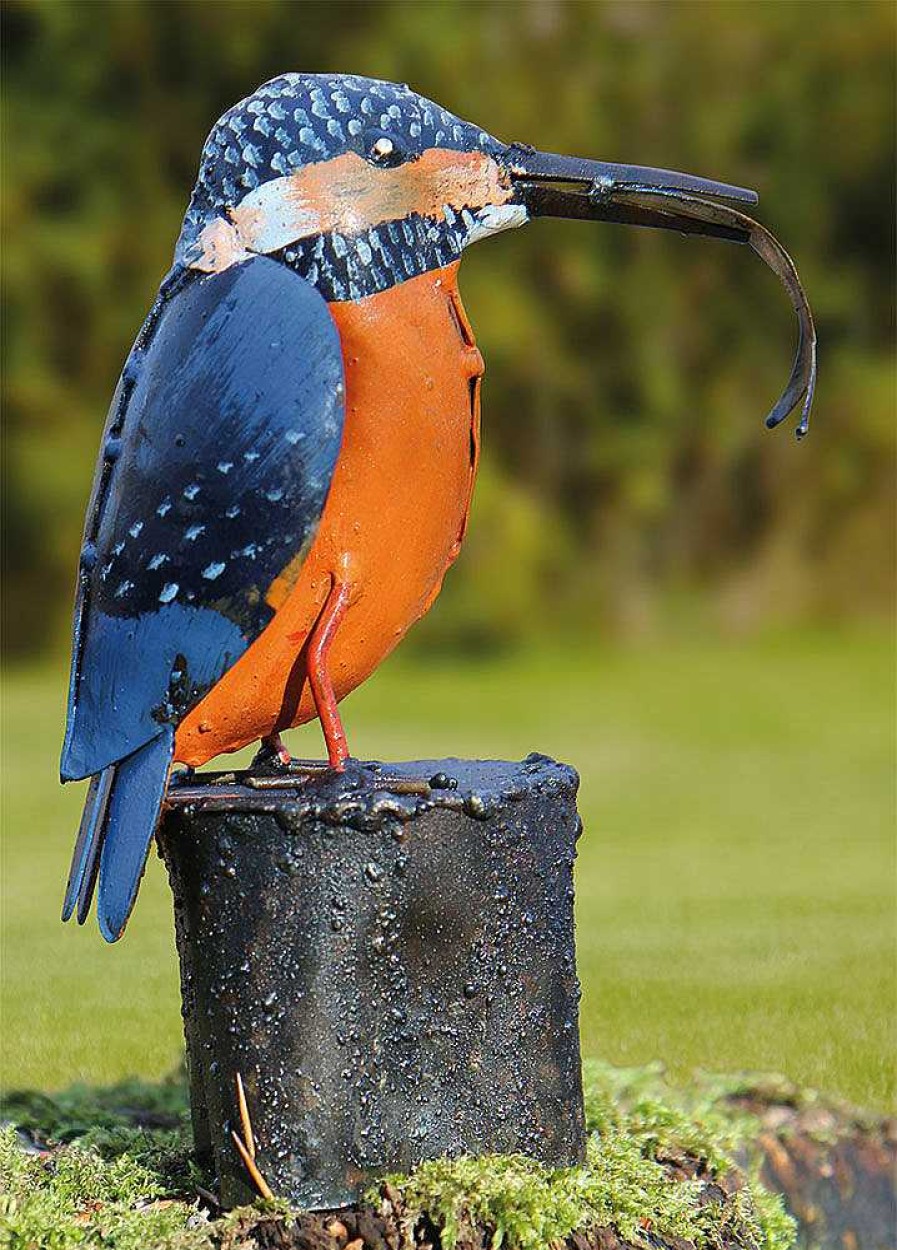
(384, 149)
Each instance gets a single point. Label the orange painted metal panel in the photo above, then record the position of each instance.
(393, 522)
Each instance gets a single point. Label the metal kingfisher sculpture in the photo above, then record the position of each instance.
(289, 456)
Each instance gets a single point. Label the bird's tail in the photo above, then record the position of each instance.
(120, 818)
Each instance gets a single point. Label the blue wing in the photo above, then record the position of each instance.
(217, 460)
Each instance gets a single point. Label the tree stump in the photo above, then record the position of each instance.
(383, 961)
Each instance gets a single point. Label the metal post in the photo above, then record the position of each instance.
(385, 959)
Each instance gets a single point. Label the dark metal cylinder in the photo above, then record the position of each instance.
(388, 965)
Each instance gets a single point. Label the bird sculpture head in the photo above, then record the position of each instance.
(359, 185)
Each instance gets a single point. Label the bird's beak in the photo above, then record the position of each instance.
(549, 185)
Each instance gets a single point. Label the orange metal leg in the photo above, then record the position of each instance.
(319, 678)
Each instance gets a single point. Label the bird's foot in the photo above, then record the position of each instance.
(279, 775)
(272, 753)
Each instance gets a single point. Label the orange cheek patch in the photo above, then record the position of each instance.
(352, 194)
(349, 195)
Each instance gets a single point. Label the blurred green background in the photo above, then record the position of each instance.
(693, 611)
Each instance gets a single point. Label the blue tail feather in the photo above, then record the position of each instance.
(133, 813)
(85, 858)
(98, 832)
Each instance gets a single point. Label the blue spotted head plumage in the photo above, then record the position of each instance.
(356, 184)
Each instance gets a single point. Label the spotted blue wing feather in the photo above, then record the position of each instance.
(215, 470)
(217, 460)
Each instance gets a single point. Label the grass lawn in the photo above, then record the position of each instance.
(735, 882)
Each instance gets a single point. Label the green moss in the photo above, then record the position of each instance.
(664, 1120)
(528, 1207)
(634, 1179)
(659, 1163)
(78, 1198)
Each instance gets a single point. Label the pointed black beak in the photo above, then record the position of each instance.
(549, 185)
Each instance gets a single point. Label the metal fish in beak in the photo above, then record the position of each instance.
(550, 185)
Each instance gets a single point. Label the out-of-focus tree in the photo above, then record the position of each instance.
(628, 371)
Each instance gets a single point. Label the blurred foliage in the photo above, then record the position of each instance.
(629, 371)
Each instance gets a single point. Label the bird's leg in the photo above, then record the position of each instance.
(274, 747)
(319, 677)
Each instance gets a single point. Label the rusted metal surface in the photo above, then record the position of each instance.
(386, 958)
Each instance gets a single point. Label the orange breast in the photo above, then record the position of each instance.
(394, 519)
